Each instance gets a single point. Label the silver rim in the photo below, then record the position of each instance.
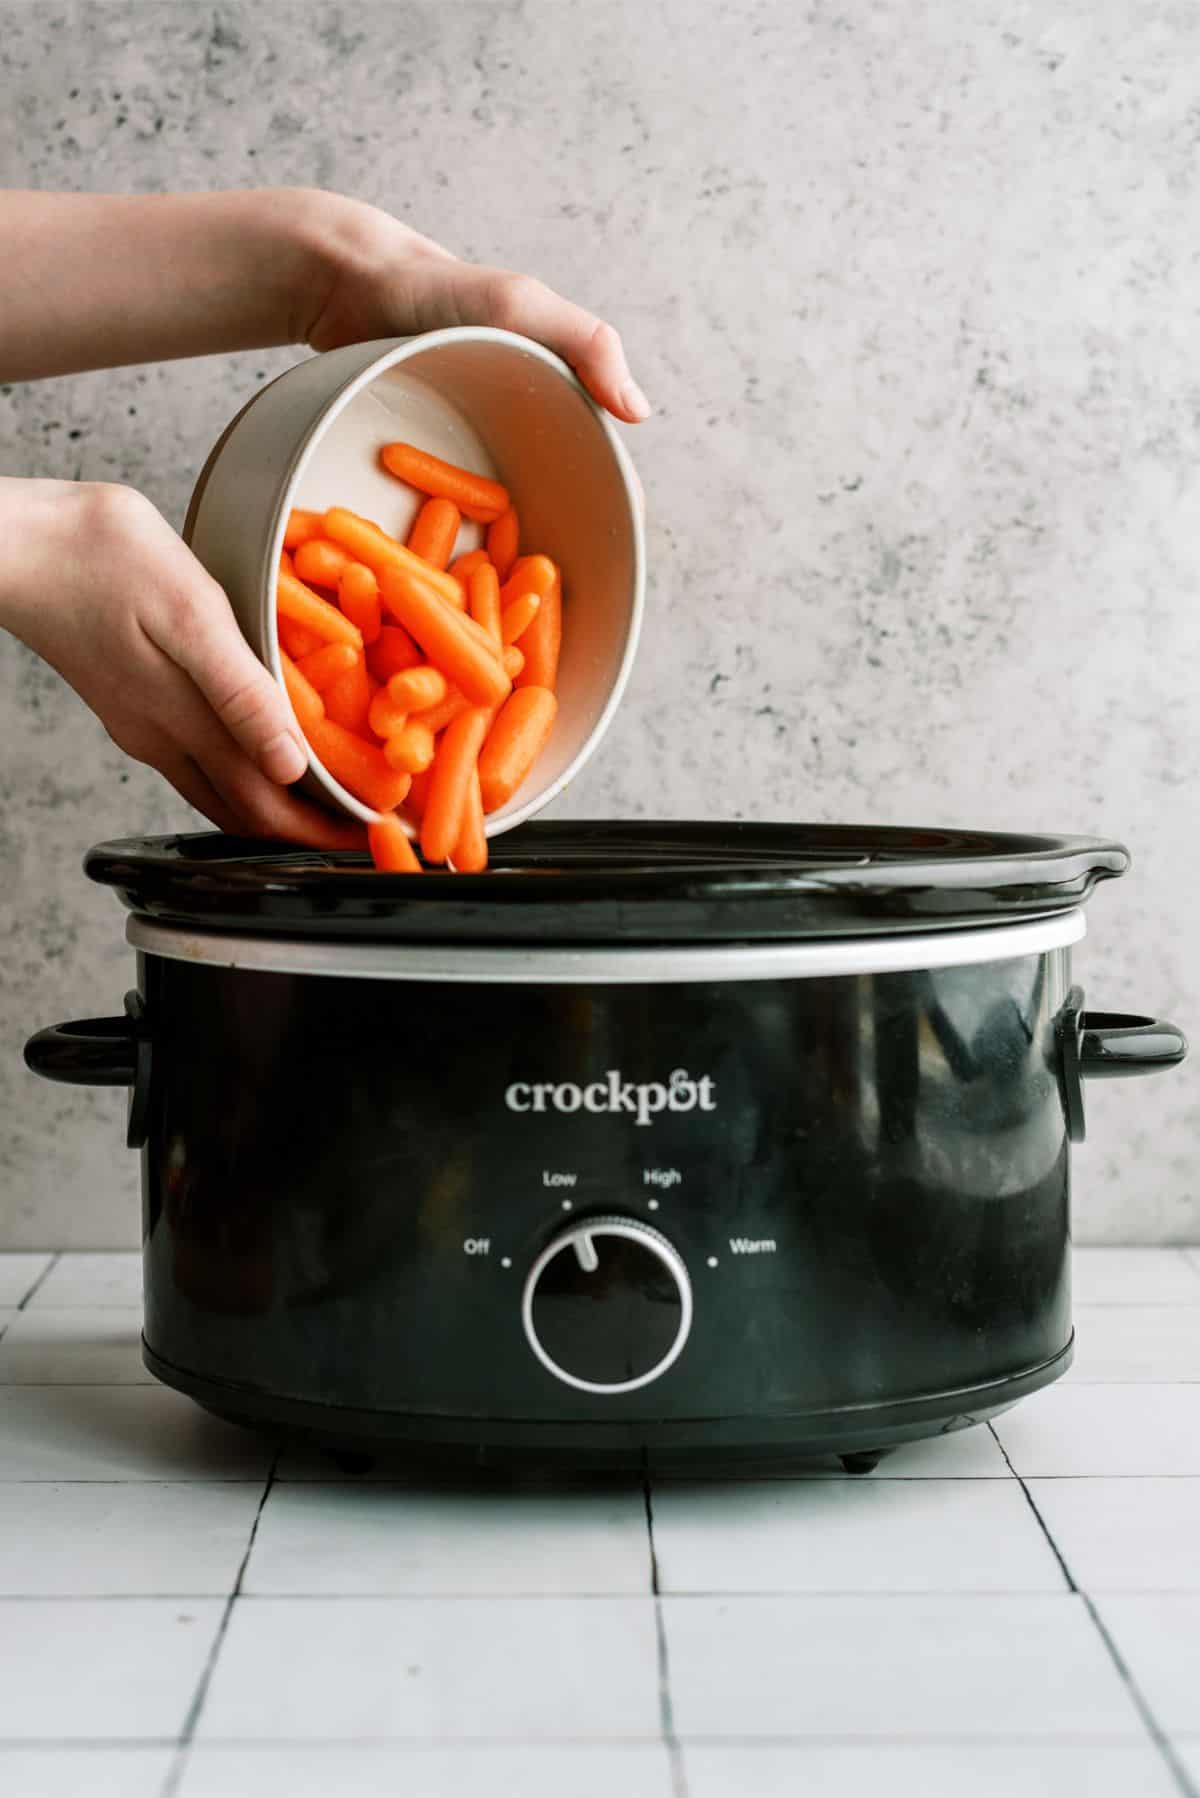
(608, 966)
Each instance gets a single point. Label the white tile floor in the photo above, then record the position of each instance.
(187, 1613)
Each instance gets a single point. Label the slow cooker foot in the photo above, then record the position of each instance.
(864, 1462)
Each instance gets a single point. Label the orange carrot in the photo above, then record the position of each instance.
(321, 563)
(434, 531)
(390, 848)
(296, 640)
(392, 651)
(327, 664)
(455, 763)
(542, 640)
(385, 717)
(300, 527)
(298, 602)
(472, 493)
(470, 852)
(483, 599)
(411, 750)
(439, 716)
(514, 661)
(444, 636)
(359, 766)
(516, 619)
(285, 561)
(514, 743)
(367, 543)
(503, 541)
(417, 689)
(348, 698)
(466, 565)
(418, 793)
(307, 703)
(530, 574)
(358, 596)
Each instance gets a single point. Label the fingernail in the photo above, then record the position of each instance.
(635, 401)
(283, 760)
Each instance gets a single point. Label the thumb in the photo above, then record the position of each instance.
(203, 638)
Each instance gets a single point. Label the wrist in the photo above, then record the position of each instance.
(337, 243)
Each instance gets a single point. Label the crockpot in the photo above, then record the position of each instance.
(669, 1145)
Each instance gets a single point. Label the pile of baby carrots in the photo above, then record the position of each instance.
(425, 686)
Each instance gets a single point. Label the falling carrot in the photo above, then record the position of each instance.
(460, 654)
(514, 743)
(357, 765)
(296, 601)
(503, 540)
(300, 527)
(392, 651)
(455, 763)
(434, 531)
(411, 750)
(390, 848)
(417, 689)
(472, 493)
(516, 619)
(358, 596)
(367, 543)
(470, 852)
(483, 600)
(325, 665)
(307, 703)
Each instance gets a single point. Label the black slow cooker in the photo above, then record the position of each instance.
(657, 1145)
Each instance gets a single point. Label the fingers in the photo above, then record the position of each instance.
(192, 784)
(488, 296)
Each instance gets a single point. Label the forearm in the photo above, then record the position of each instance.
(98, 280)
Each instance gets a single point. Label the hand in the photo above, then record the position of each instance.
(109, 595)
(385, 280)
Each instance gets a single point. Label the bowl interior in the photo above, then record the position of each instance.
(508, 410)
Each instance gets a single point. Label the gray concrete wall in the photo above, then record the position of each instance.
(915, 291)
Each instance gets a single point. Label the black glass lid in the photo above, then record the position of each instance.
(618, 883)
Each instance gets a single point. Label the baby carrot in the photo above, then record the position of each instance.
(300, 527)
(516, 619)
(466, 565)
(414, 805)
(444, 636)
(445, 480)
(470, 852)
(514, 661)
(439, 716)
(359, 766)
(298, 602)
(358, 596)
(434, 531)
(542, 641)
(483, 599)
(411, 750)
(514, 743)
(503, 540)
(307, 703)
(327, 664)
(367, 543)
(296, 640)
(392, 651)
(320, 563)
(348, 698)
(530, 574)
(385, 717)
(455, 763)
(285, 561)
(416, 689)
(390, 848)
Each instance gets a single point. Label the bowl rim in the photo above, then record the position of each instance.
(402, 350)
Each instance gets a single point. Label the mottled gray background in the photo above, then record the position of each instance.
(915, 289)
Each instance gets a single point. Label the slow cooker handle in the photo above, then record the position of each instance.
(100, 1052)
(1107, 1045)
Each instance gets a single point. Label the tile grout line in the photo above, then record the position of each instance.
(41, 1279)
(679, 1785)
(187, 1734)
(1157, 1734)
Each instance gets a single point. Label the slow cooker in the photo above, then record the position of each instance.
(658, 1145)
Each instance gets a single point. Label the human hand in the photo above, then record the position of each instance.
(109, 595)
(383, 279)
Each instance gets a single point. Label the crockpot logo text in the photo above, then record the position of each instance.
(641, 1100)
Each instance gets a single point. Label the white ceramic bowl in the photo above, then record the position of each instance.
(496, 403)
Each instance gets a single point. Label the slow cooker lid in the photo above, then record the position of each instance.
(601, 882)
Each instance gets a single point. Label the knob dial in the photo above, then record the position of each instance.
(608, 1305)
